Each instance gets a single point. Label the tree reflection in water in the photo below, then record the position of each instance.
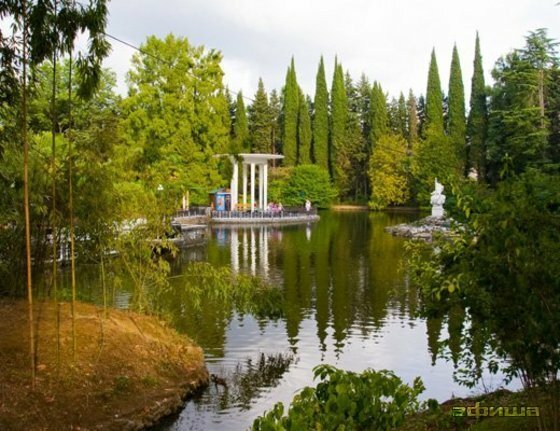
(243, 385)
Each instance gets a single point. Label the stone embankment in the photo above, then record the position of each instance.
(422, 229)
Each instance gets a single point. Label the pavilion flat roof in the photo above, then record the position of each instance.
(254, 157)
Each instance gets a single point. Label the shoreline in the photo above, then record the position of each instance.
(130, 370)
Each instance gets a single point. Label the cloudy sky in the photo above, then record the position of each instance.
(390, 40)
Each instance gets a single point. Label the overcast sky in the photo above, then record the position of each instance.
(390, 41)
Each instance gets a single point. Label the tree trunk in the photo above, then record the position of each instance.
(54, 223)
(71, 210)
(26, 194)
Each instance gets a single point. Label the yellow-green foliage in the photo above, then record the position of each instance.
(387, 172)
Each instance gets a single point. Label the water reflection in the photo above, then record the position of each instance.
(344, 300)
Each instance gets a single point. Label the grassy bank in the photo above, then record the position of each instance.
(442, 418)
(129, 370)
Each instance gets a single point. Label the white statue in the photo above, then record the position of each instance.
(437, 200)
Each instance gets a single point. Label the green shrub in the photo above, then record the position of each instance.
(293, 186)
(343, 400)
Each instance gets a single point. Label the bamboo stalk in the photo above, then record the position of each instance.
(54, 218)
(26, 196)
(71, 209)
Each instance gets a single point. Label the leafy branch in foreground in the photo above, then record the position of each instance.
(503, 266)
(373, 400)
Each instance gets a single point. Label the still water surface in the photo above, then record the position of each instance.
(347, 302)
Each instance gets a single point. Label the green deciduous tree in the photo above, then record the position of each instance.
(321, 119)
(306, 182)
(502, 265)
(175, 117)
(387, 172)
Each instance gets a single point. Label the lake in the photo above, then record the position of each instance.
(346, 300)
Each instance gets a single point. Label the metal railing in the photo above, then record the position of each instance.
(258, 214)
(193, 212)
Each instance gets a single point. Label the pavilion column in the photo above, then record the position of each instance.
(244, 184)
(234, 186)
(261, 186)
(235, 250)
(252, 186)
(265, 186)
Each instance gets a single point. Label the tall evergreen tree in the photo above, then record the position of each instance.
(304, 131)
(379, 119)
(413, 121)
(363, 89)
(275, 108)
(433, 156)
(290, 110)
(231, 112)
(521, 107)
(354, 154)
(320, 154)
(398, 116)
(434, 100)
(241, 127)
(477, 124)
(456, 123)
(421, 110)
(260, 121)
(339, 114)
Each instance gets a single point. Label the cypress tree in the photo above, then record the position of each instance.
(477, 124)
(304, 131)
(434, 100)
(456, 126)
(321, 119)
(275, 109)
(413, 121)
(433, 156)
(290, 110)
(240, 127)
(260, 122)
(231, 112)
(379, 119)
(339, 114)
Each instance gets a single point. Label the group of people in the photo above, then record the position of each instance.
(275, 207)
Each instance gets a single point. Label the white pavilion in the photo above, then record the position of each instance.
(250, 163)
